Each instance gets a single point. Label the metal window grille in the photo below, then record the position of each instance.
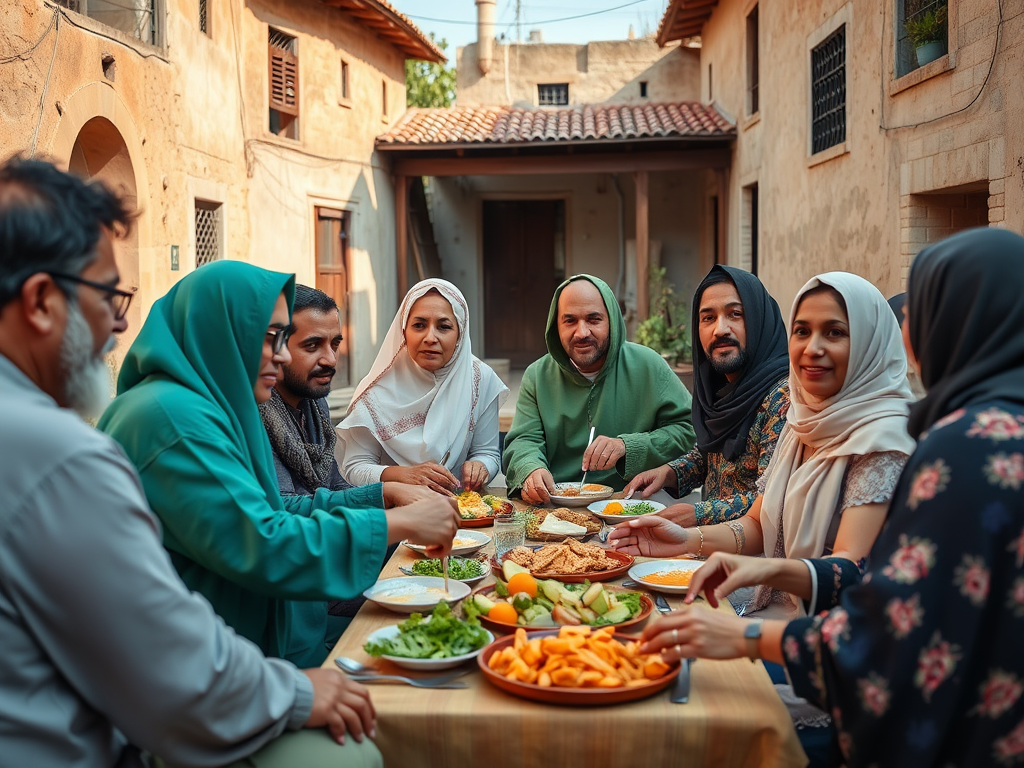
(828, 92)
(204, 26)
(553, 94)
(910, 10)
(208, 224)
(136, 18)
(282, 40)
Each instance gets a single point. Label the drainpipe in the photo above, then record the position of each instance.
(622, 234)
(485, 11)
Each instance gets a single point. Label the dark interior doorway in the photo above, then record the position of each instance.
(524, 261)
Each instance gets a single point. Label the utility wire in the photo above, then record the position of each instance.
(23, 54)
(537, 22)
(46, 89)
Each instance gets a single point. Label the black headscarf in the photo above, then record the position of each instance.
(896, 304)
(966, 318)
(723, 413)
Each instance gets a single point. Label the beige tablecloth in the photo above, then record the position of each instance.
(733, 718)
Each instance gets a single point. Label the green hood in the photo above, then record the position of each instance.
(207, 335)
(617, 335)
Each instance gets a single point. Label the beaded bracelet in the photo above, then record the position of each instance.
(738, 534)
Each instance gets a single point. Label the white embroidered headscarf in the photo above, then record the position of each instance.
(418, 415)
(867, 415)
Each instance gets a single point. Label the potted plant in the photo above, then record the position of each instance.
(927, 33)
(665, 331)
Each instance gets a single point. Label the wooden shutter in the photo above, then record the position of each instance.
(284, 81)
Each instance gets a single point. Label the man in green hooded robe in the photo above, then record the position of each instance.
(186, 414)
(593, 377)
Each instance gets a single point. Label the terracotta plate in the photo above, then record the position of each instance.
(577, 578)
(476, 522)
(646, 606)
(586, 697)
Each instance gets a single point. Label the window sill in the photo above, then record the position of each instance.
(283, 141)
(919, 75)
(346, 103)
(750, 121)
(831, 153)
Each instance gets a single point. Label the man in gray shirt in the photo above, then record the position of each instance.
(106, 659)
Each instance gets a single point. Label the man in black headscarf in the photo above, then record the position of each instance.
(741, 396)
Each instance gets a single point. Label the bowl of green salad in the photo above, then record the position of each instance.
(464, 569)
(439, 641)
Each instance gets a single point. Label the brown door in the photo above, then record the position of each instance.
(332, 228)
(523, 264)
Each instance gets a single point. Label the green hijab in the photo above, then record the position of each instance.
(207, 335)
(616, 336)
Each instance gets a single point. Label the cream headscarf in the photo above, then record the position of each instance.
(867, 415)
(416, 415)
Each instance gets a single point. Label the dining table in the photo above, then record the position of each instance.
(734, 716)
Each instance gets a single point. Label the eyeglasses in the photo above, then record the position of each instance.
(119, 300)
(279, 338)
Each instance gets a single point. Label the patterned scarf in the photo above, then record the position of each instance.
(311, 462)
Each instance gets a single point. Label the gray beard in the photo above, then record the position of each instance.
(87, 378)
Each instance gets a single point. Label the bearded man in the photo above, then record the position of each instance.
(297, 417)
(593, 377)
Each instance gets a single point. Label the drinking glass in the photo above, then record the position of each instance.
(509, 533)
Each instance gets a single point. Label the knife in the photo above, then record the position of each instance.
(662, 604)
(681, 691)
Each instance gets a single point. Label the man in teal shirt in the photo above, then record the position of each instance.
(593, 377)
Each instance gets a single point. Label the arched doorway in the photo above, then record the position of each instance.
(100, 152)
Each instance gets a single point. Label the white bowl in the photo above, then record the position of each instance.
(479, 540)
(424, 665)
(598, 509)
(414, 594)
(638, 571)
(578, 501)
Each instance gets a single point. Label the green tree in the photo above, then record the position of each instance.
(428, 84)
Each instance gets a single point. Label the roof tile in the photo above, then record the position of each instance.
(511, 125)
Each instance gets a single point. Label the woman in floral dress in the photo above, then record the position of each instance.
(921, 660)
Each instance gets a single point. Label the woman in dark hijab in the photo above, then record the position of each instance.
(897, 304)
(919, 661)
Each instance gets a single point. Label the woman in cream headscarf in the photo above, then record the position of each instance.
(833, 473)
(427, 412)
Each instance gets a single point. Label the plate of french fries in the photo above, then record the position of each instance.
(575, 665)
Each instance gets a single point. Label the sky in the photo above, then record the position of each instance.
(455, 20)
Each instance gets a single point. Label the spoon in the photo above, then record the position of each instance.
(354, 667)
(589, 441)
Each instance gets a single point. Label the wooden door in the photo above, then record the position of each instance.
(521, 241)
(332, 229)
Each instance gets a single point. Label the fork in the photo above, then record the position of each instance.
(443, 681)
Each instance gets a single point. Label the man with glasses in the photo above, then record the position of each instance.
(105, 653)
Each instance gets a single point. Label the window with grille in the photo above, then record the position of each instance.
(283, 78)
(553, 94)
(136, 18)
(204, 19)
(828, 92)
(332, 268)
(753, 63)
(208, 232)
(922, 14)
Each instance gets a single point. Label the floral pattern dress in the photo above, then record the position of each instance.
(921, 660)
(729, 487)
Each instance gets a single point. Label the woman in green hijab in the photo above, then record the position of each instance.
(186, 414)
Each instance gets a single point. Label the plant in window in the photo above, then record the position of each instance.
(927, 33)
(665, 330)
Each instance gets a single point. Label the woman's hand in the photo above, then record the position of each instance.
(680, 514)
(723, 574)
(649, 536)
(538, 486)
(432, 522)
(696, 632)
(474, 476)
(651, 481)
(340, 704)
(432, 475)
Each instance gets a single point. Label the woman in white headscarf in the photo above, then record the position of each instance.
(828, 486)
(427, 412)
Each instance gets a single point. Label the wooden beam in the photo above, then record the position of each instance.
(723, 214)
(402, 234)
(642, 247)
(682, 160)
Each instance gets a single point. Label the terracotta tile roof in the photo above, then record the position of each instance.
(515, 125)
(684, 18)
(392, 26)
